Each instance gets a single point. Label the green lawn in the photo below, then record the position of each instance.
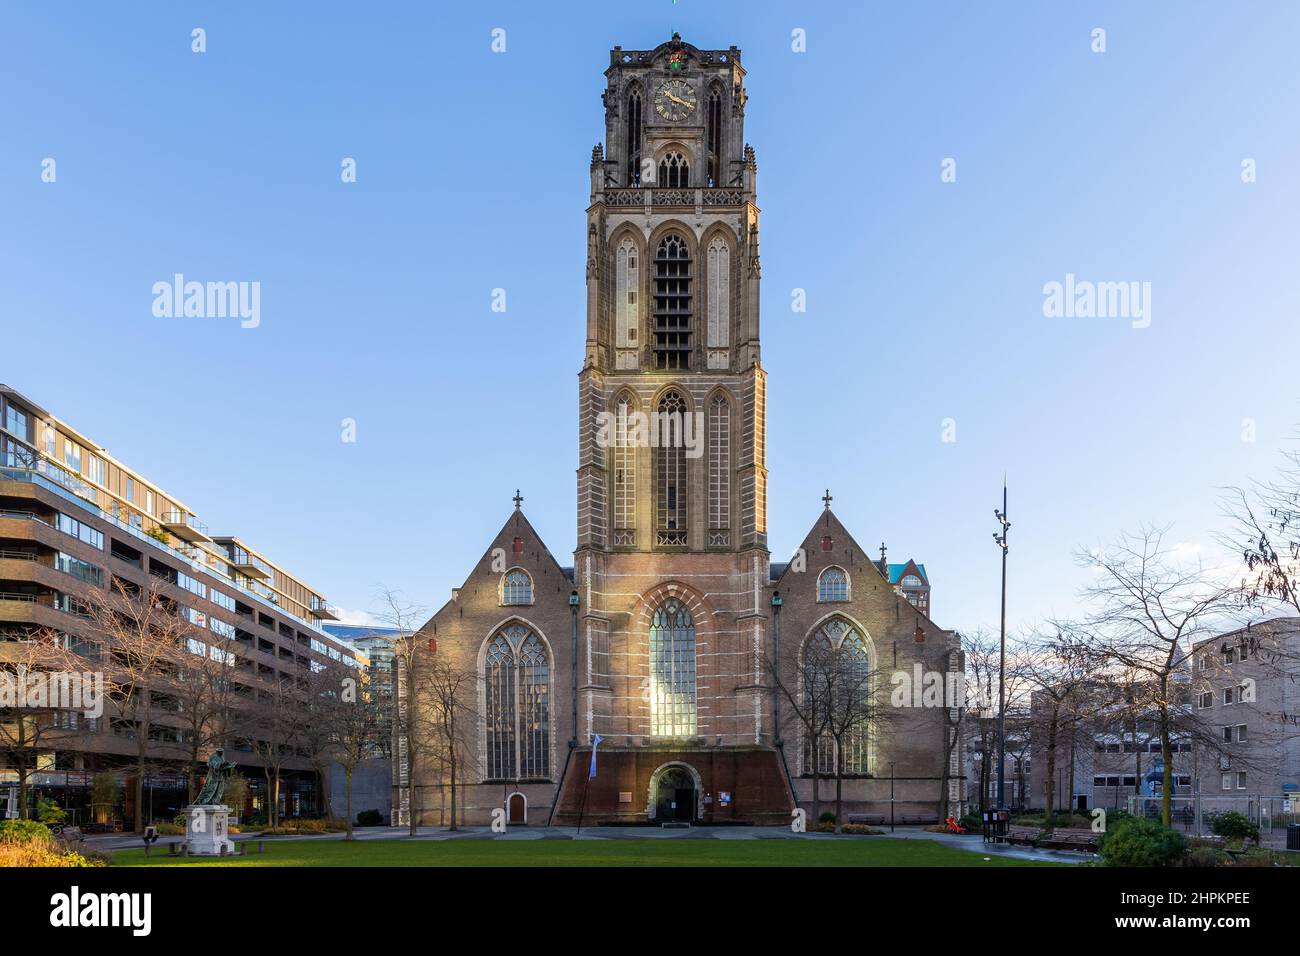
(848, 851)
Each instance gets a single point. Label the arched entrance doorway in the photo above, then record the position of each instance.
(517, 808)
(674, 794)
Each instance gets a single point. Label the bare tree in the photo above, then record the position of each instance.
(410, 652)
(1058, 670)
(279, 718)
(805, 691)
(344, 726)
(1148, 612)
(30, 724)
(449, 691)
(1266, 533)
(207, 705)
(145, 638)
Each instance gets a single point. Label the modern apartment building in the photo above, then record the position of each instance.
(74, 518)
(1248, 691)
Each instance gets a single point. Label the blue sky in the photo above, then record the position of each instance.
(924, 298)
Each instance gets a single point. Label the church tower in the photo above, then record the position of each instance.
(672, 313)
(671, 563)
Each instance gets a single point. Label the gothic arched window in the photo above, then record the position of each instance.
(672, 671)
(671, 485)
(517, 718)
(624, 472)
(836, 677)
(718, 258)
(674, 171)
(673, 303)
(516, 587)
(627, 278)
(499, 709)
(634, 136)
(833, 585)
(719, 464)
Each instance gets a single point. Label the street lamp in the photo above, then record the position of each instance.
(1000, 539)
(573, 660)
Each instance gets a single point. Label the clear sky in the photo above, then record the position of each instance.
(924, 298)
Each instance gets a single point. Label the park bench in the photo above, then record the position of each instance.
(1067, 838)
(1019, 835)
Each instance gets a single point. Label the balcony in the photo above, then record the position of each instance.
(249, 566)
(324, 609)
(185, 526)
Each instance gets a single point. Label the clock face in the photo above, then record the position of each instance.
(675, 100)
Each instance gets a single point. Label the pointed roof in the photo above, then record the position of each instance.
(896, 571)
(516, 525)
(826, 525)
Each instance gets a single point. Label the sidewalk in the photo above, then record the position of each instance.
(971, 844)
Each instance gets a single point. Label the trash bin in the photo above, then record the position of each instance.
(1293, 836)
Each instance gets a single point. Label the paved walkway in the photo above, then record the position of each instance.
(973, 844)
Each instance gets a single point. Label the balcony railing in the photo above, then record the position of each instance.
(185, 526)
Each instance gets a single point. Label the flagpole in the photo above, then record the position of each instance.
(582, 807)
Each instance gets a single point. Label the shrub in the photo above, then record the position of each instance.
(1233, 825)
(25, 833)
(973, 820)
(30, 843)
(319, 825)
(1204, 855)
(370, 818)
(1138, 842)
(826, 817)
(48, 811)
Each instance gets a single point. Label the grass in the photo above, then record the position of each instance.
(849, 851)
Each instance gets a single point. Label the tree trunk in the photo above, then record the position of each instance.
(1166, 751)
(451, 735)
(839, 786)
(1051, 767)
(347, 785)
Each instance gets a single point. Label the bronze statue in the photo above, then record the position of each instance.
(214, 787)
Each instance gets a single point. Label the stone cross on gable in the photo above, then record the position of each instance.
(518, 499)
(827, 499)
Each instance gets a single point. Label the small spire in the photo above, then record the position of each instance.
(883, 562)
(518, 499)
(827, 499)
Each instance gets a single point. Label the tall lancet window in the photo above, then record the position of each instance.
(674, 171)
(627, 278)
(672, 304)
(836, 676)
(634, 137)
(499, 709)
(670, 470)
(517, 715)
(715, 137)
(624, 476)
(719, 470)
(719, 286)
(672, 671)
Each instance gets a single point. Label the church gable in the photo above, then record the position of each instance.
(516, 576)
(832, 574)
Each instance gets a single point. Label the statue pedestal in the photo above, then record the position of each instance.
(207, 830)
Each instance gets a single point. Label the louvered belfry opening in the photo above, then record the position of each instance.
(672, 304)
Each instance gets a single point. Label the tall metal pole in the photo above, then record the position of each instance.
(1001, 540)
(573, 655)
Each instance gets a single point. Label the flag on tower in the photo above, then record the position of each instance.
(594, 744)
